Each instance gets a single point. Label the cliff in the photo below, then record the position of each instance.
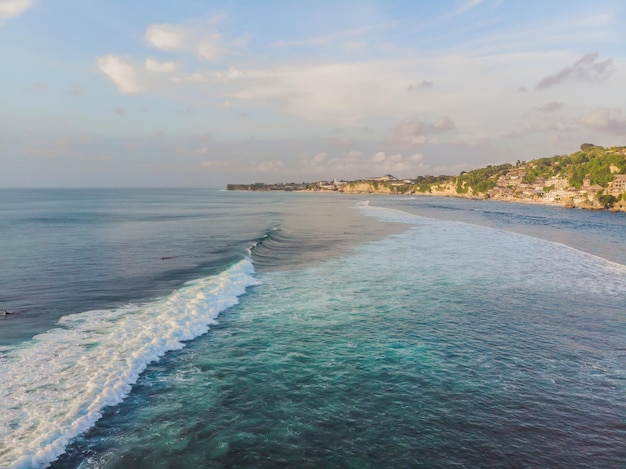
(592, 178)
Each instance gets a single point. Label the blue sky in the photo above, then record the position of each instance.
(201, 93)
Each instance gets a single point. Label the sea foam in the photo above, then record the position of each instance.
(574, 268)
(56, 386)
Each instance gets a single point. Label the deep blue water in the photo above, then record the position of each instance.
(342, 332)
(67, 251)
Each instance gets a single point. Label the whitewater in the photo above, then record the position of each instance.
(57, 385)
(381, 332)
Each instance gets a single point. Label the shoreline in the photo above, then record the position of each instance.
(619, 207)
(593, 178)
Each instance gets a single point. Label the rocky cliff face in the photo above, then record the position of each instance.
(365, 188)
(449, 189)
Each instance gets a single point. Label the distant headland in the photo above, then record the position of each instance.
(592, 178)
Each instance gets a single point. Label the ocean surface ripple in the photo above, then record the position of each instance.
(444, 345)
(389, 333)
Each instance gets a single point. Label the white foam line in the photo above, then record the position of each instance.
(55, 387)
(399, 216)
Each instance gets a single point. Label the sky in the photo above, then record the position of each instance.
(201, 93)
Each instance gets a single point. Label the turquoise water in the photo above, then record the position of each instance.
(426, 343)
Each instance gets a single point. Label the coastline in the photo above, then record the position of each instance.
(593, 178)
(449, 191)
(619, 207)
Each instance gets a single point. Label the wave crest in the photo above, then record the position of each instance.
(56, 386)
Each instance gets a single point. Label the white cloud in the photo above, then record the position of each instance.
(356, 164)
(379, 157)
(191, 78)
(166, 37)
(349, 159)
(149, 76)
(397, 163)
(233, 73)
(607, 120)
(122, 73)
(413, 130)
(343, 94)
(358, 94)
(153, 65)
(319, 157)
(443, 124)
(373, 94)
(199, 38)
(197, 77)
(541, 128)
(268, 166)
(13, 8)
(209, 48)
(214, 164)
(361, 93)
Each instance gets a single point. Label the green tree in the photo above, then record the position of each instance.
(607, 200)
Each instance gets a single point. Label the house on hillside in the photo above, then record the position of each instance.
(593, 190)
(385, 178)
(326, 186)
(558, 183)
(618, 186)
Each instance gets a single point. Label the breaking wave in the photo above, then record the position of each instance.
(56, 386)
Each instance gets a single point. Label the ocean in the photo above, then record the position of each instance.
(205, 328)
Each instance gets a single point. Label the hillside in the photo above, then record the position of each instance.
(592, 178)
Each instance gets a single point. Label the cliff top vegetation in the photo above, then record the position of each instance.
(597, 163)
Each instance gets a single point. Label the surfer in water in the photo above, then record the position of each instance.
(6, 313)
